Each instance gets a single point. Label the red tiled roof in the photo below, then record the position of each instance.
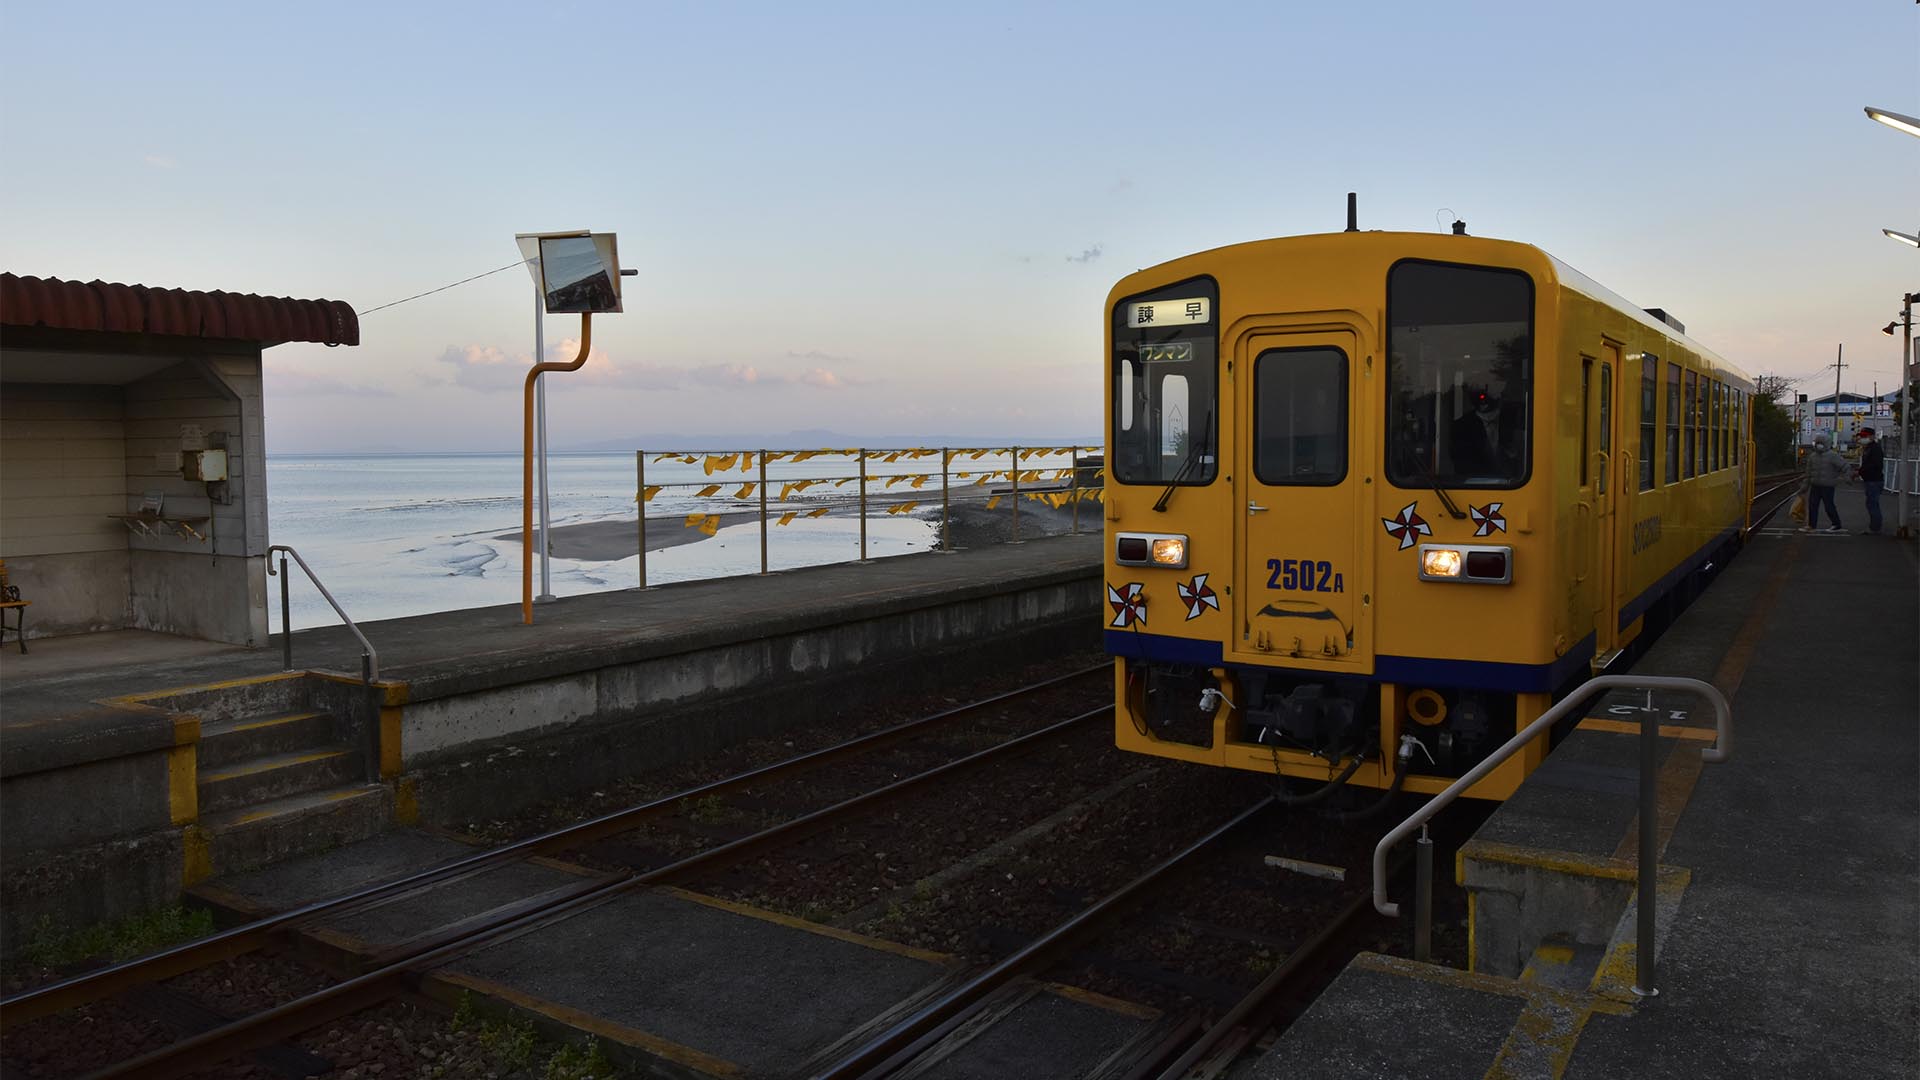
(140, 309)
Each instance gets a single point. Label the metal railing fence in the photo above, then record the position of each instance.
(1647, 867)
(369, 657)
(866, 482)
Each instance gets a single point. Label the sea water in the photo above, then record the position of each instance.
(406, 534)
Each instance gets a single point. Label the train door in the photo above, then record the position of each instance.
(1298, 496)
(1610, 477)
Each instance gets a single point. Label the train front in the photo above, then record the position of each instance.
(1327, 543)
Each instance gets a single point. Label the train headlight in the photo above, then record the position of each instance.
(1474, 563)
(1151, 549)
(1170, 551)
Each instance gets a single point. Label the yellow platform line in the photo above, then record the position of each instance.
(1630, 727)
(796, 923)
(597, 1026)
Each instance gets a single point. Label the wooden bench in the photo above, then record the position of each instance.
(10, 601)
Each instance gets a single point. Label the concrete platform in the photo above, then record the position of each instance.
(110, 808)
(1788, 939)
(679, 983)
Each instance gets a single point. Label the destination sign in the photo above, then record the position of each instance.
(1178, 312)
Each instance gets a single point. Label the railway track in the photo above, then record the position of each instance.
(398, 968)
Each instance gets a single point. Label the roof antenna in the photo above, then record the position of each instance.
(1459, 227)
(1353, 212)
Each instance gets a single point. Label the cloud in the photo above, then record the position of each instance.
(161, 161)
(489, 368)
(485, 367)
(306, 384)
(1088, 255)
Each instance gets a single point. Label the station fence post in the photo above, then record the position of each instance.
(763, 511)
(863, 503)
(640, 481)
(946, 529)
(1016, 494)
(1073, 485)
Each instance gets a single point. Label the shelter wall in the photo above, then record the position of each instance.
(62, 471)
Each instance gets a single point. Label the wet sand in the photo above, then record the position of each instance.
(972, 525)
(606, 541)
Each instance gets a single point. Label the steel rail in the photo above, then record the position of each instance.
(82, 989)
(1245, 1020)
(875, 1056)
(405, 962)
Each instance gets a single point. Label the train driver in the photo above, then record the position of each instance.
(1487, 438)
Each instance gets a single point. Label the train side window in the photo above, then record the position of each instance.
(1606, 426)
(1300, 416)
(1673, 423)
(1649, 401)
(1713, 426)
(1689, 424)
(1739, 431)
(1586, 414)
(1700, 429)
(1459, 409)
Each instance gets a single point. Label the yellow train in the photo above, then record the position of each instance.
(1375, 499)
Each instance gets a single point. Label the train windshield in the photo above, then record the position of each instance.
(1165, 393)
(1459, 376)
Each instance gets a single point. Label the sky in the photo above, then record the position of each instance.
(903, 219)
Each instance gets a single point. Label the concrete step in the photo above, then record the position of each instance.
(226, 742)
(275, 775)
(254, 836)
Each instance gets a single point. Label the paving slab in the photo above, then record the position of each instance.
(1789, 941)
(1047, 1032)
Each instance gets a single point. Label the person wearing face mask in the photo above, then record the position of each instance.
(1873, 472)
(1482, 439)
(1825, 469)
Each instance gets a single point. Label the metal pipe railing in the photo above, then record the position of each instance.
(369, 658)
(1648, 866)
(871, 489)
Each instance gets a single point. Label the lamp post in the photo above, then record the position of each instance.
(1894, 120)
(1906, 238)
(1909, 459)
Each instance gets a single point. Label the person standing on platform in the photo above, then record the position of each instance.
(1825, 469)
(1873, 472)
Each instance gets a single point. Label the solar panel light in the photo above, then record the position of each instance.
(1478, 564)
(1151, 549)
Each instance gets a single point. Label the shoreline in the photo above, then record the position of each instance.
(971, 524)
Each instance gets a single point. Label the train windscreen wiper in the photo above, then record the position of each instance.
(1193, 458)
(1434, 482)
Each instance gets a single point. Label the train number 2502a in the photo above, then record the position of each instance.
(1304, 575)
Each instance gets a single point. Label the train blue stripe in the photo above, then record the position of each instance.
(1418, 670)
(1638, 605)
(1136, 645)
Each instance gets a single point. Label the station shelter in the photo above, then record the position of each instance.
(133, 453)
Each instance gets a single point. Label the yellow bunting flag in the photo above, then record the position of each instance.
(978, 454)
(963, 475)
(902, 508)
(892, 480)
(893, 457)
(802, 455)
(746, 489)
(1031, 477)
(694, 521)
(647, 493)
(844, 481)
(711, 525)
(658, 458)
(993, 502)
(822, 512)
(786, 517)
(719, 463)
(706, 491)
(918, 480)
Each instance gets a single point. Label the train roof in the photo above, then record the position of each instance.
(1563, 272)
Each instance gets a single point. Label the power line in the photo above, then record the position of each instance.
(442, 288)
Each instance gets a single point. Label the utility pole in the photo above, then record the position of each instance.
(1838, 351)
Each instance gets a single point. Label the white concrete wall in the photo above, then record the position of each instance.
(63, 469)
(179, 585)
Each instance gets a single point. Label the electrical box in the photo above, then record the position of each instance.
(203, 465)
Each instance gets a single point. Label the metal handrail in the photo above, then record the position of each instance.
(1646, 872)
(369, 658)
